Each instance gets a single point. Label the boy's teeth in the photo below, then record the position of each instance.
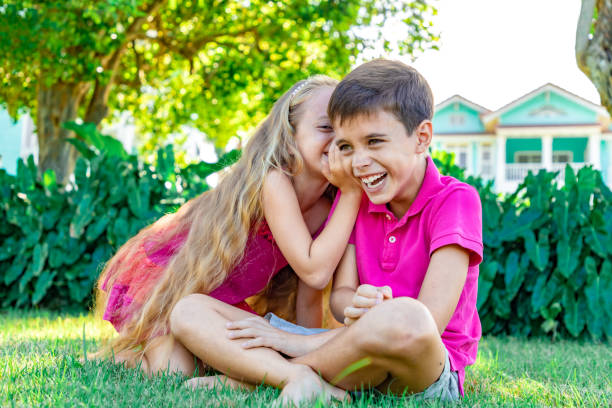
(373, 180)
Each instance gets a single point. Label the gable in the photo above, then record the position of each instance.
(457, 118)
(548, 108)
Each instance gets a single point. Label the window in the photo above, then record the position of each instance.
(461, 154)
(457, 119)
(528, 157)
(462, 159)
(563, 157)
(486, 168)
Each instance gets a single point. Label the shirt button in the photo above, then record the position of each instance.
(392, 239)
(388, 217)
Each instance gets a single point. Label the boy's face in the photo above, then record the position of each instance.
(388, 163)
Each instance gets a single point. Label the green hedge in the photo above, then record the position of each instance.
(53, 241)
(547, 265)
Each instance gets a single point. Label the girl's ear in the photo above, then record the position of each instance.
(423, 133)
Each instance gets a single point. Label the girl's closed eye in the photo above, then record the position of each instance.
(326, 128)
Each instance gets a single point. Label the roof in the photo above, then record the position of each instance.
(462, 100)
(544, 88)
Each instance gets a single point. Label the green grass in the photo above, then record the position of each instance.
(40, 351)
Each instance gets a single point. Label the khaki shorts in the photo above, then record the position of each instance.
(446, 388)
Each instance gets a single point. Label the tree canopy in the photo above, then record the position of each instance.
(216, 65)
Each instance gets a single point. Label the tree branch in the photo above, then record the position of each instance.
(585, 22)
(134, 28)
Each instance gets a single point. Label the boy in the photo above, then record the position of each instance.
(406, 286)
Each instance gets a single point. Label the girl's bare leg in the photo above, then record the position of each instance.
(199, 323)
(166, 354)
(169, 354)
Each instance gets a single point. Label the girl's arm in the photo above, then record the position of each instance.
(309, 306)
(313, 260)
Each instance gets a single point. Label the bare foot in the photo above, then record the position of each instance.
(213, 381)
(307, 387)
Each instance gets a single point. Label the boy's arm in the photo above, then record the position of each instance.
(346, 281)
(444, 282)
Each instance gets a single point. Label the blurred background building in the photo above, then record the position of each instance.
(544, 129)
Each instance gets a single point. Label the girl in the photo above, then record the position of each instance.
(229, 242)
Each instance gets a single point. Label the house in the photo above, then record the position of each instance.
(544, 129)
(17, 140)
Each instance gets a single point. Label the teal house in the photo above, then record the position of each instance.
(544, 129)
(17, 140)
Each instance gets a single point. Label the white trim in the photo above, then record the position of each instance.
(544, 88)
(461, 100)
(594, 151)
(570, 131)
(466, 138)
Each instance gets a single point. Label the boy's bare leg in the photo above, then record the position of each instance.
(199, 323)
(401, 340)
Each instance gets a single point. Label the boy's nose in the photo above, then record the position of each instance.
(360, 160)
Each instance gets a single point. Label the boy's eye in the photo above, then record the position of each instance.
(344, 147)
(374, 141)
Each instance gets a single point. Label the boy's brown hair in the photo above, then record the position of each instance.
(386, 85)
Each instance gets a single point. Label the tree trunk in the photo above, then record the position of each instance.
(594, 47)
(57, 104)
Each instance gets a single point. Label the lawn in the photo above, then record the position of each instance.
(40, 351)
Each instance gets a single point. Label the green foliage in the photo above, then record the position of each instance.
(216, 66)
(547, 265)
(54, 241)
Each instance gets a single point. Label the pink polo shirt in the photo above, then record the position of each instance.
(397, 252)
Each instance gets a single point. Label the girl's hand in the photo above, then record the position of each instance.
(258, 332)
(336, 174)
(365, 298)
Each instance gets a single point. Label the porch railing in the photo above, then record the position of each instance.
(518, 171)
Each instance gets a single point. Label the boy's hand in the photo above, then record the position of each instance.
(365, 298)
(336, 174)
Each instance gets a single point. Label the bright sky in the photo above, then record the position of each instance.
(495, 51)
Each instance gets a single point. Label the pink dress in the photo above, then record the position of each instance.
(262, 260)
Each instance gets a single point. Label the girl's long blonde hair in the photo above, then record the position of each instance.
(217, 225)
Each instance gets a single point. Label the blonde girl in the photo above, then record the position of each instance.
(225, 245)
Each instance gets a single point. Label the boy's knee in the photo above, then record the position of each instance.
(401, 326)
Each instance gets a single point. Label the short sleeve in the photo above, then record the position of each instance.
(331, 211)
(458, 220)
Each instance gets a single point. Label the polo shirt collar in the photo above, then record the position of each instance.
(430, 187)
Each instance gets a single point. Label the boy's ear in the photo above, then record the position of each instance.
(423, 133)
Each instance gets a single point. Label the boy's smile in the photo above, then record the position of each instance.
(388, 163)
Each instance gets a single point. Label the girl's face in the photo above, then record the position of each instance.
(314, 132)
